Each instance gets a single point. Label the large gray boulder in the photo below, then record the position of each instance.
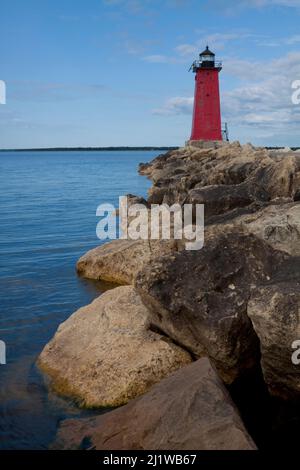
(275, 313)
(277, 224)
(189, 410)
(119, 261)
(106, 354)
(199, 298)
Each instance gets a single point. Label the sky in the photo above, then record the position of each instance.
(115, 72)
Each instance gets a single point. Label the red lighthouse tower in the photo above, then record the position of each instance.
(207, 111)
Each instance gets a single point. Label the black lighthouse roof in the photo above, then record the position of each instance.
(206, 61)
(207, 52)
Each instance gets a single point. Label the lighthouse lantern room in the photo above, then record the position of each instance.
(207, 111)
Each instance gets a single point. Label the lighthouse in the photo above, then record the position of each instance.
(207, 110)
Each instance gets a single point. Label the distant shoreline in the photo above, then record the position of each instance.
(89, 149)
(110, 149)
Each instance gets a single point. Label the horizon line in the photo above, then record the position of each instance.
(121, 147)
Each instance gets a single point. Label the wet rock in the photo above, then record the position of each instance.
(189, 410)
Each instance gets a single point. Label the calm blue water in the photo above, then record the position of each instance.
(48, 202)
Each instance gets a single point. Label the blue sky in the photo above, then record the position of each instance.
(115, 72)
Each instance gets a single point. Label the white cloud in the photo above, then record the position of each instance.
(267, 102)
(235, 7)
(216, 41)
(137, 7)
(271, 42)
(176, 105)
(293, 39)
(189, 51)
(284, 3)
(161, 59)
(186, 49)
(284, 67)
(227, 5)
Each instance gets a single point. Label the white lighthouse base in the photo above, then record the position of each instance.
(207, 144)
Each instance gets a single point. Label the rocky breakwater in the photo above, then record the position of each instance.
(251, 254)
(235, 301)
(190, 410)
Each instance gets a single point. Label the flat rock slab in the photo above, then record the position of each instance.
(119, 261)
(105, 354)
(189, 410)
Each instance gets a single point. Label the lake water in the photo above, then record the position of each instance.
(48, 204)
